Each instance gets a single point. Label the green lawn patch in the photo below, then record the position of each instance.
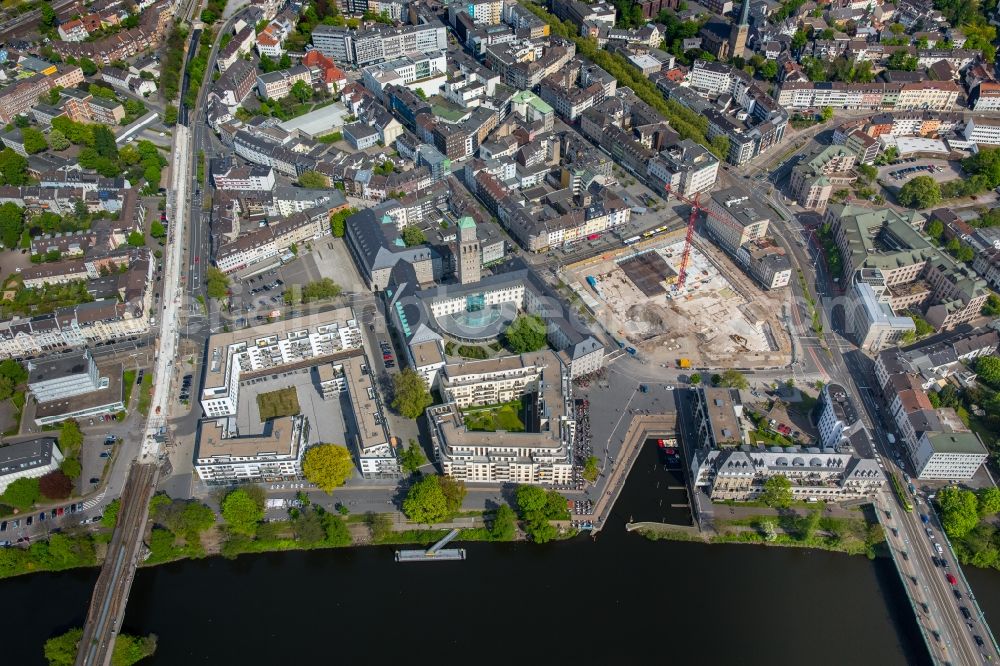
(472, 351)
(283, 402)
(491, 418)
(128, 380)
(145, 393)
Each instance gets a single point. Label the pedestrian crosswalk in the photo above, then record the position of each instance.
(94, 501)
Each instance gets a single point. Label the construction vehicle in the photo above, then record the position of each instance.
(684, 363)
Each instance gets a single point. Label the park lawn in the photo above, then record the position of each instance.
(128, 380)
(492, 418)
(283, 402)
(145, 393)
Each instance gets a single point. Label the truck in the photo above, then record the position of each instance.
(684, 363)
(592, 281)
(631, 350)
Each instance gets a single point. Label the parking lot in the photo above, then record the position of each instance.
(903, 170)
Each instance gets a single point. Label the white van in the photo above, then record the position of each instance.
(892, 438)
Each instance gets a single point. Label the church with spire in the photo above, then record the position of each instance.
(739, 31)
(725, 40)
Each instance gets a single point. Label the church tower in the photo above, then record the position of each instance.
(738, 32)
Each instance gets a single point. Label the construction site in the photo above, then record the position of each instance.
(719, 317)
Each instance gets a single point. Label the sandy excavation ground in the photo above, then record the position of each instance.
(710, 321)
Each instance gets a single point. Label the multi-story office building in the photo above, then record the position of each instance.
(915, 273)
(983, 130)
(816, 177)
(949, 455)
(64, 376)
(275, 85)
(735, 219)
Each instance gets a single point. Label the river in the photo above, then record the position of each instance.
(619, 599)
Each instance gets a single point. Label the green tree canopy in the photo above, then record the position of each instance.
(413, 236)
(21, 494)
(338, 221)
(733, 379)
(777, 492)
(504, 524)
(302, 91)
(988, 502)
(71, 467)
(412, 458)
(425, 501)
(242, 512)
(410, 396)
(313, 179)
(959, 511)
(34, 141)
(13, 168)
(216, 283)
(988, 368)
(525, 334)
(11, 224)
(328, 466)
(920, 192)
(70, 437)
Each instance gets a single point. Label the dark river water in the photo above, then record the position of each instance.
(619, 599)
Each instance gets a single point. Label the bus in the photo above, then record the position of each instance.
(632, 240)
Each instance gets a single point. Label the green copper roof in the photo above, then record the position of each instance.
(466, 223)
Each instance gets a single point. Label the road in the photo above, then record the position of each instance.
(853, 370)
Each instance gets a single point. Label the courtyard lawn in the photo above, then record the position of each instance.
(492, 418)
(283, 402)
(472, 351)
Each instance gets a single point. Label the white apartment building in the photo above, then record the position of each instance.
(493, 381)
(837, 416)
(224, 457)
(424, 72)
(245, 179)
(237, 355)
(949, 455)
(983, 130)
(370, 435)
(542, 454)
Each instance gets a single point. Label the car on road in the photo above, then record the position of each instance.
(979, 640)
(95, 480)
(668, 387)
(924, 518)
(951, 579)
(958, 595)
(59, 511)
(965, 612)
(390, 364)
(105, 454)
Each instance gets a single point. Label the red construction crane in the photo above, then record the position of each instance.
(696, 208)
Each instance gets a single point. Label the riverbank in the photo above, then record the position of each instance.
(852, 536)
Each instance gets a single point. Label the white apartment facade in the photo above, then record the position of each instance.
(268, 348)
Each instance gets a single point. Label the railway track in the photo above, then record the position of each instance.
(107, 605)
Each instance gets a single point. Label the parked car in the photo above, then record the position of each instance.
(105, 454)
(95, 480)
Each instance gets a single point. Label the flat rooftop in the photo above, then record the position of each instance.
(722, 413)
(86, 401)
(956, 442)
(58, 367)
(367, 417)
(277, 440)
